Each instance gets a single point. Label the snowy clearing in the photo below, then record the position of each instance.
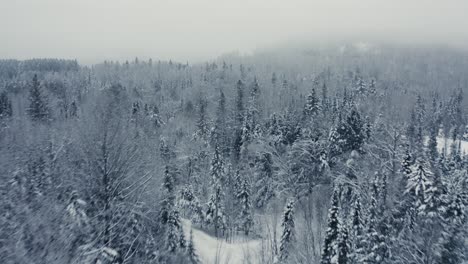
(213, 250)
(445, 143)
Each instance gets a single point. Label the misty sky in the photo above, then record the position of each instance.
(94, 30)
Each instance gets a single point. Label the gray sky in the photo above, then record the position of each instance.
(94, 30)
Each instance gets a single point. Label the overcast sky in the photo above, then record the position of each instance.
(94, 30)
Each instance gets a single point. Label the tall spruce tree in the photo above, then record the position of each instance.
(330, 244)
(193, 256)
(288, 235)
(245, 219)
(312, 106)
(38, 109)
(5, 105)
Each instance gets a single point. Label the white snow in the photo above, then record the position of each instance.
(446, 143)
(215, 250)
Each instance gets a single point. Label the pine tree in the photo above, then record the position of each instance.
(361, 87)
(375, 248)
(193, 256)
(357, 232)
(168, 201)
(202, 131)
(331, 237)
(288, 235)
(312, 106)
(343, 246)
(174, 237)
(245, 217)
(264, 180)
(325, 103)
(432, 145)
(5, 105)
(273, 79)
(219, 131)
(372, 89)
(240, 102)
(217, 169)
(419, 182)
(435, 204)
(215, 215)
(155, 117)
(351, 134)
(38, 109)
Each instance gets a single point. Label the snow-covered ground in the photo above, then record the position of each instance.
(212, 250)
(446, 143)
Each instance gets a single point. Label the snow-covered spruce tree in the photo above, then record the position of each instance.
(155, 117)
(191, 252)
(419, 183)
(5, 105)
(190, 204)
(435, 204)
(264, 180)
(175, 239)
(432, 151)
(356, 232)
(324, 102)
(217, 169)
(168, 202)
(350, 135)
(245, 220)
(202, 131)
(375, 248)
(240, 102)
(288, 235)
(215, 215)
(330, 244)
(249, 128)
(343, 250)
(38, 109)
(312, 106)
(219, 131)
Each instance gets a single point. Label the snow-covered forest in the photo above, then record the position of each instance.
(341, 153)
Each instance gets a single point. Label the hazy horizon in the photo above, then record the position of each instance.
(92, 31)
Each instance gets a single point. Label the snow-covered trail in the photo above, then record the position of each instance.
(212, 250)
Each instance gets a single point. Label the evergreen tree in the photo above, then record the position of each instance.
(312, 106)
(215, 215)
(375, 248)
(432, 145)
(357, 232)
(372, 89)
(5, 105)
(288, 235)
(325, 103)
(168, 201)
(155, 117)
(419, 182)
(217, 169)
(240, 102)
(245, 217)
(343, 246)
(219, 131)
(330, 245)
(351, 134)
(264, 180)
(435, 204)
(38, 109)
(193, 256)
(175, 237)
(202, 131)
